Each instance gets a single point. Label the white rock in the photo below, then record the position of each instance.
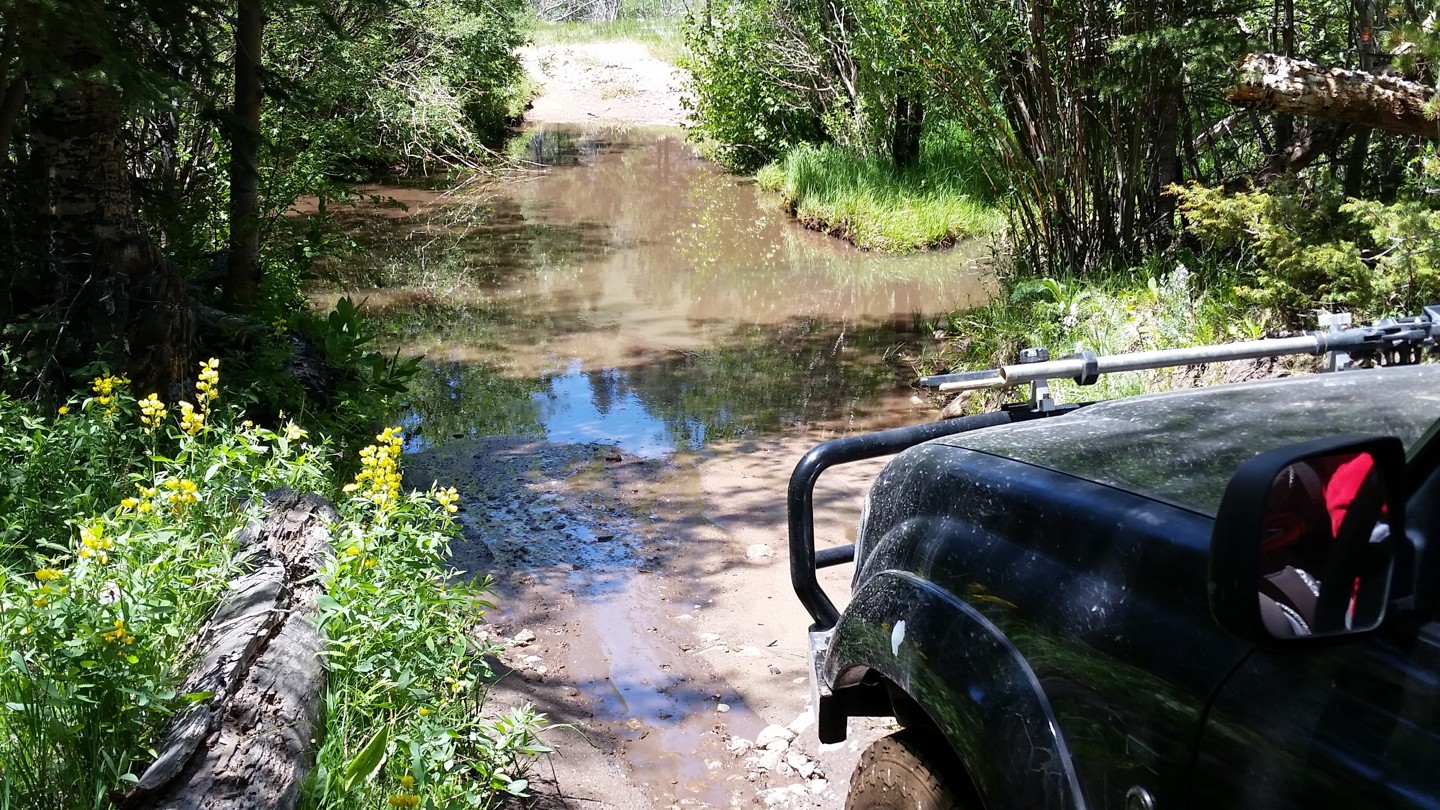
(709, 638)
(784, 769)
(722, 707)
(774, 797)
(749, 652)
(522, 638)
(759, 551)
(802, 724)
(795, 759)
(772, 733)
(778, 744)
(532, 659)
(739, 744)
(806, 769)
(769, 761)
(817, 786)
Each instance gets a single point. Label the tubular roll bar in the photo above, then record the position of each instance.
(800, 503)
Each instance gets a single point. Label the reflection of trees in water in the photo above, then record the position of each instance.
(803, 372)
(448, 400)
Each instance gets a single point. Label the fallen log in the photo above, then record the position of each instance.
(250, 743)
(1269, 81)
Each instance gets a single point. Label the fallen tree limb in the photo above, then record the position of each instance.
(1269, 81)
(249, 743)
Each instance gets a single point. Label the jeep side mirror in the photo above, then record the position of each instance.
(1304, 542)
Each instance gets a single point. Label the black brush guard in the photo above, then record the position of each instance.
(805, 561)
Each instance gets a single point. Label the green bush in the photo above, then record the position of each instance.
(737, 108)
(119, 528)
(406, 679)
(1308, 249)
(119, 521)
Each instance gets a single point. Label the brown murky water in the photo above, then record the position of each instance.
(626, 293)
(647, 298)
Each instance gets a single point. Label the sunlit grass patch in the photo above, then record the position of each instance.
(871, 203)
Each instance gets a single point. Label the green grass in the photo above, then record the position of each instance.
(868, 201)
(660, 35)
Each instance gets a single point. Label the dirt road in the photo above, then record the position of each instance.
(646, 609)
(644, 603)
(602, 83)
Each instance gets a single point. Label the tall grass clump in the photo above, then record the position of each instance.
(867, 200)
(118, 517)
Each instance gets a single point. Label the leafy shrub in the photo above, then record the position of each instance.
(406, 679)
(1313, 250)
(736, 105)
(118, 545)
(110, 567)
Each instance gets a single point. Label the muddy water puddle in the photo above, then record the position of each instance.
(617, 308)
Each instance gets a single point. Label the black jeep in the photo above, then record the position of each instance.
(1223, 597)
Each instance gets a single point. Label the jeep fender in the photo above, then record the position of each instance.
(970, 680)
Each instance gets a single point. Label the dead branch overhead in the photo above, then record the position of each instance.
(1269, 81)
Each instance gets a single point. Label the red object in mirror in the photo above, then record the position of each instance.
(1323, 529)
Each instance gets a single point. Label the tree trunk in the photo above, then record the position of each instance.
(905, 137)
(242, 277)
(249, 745)
(102, 284)
(1297, 87)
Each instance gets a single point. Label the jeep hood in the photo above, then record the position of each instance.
(1182, 447)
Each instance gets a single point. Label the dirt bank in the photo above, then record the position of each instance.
(646, 607)
(602, 82)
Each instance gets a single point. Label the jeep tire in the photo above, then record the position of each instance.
(903, 772)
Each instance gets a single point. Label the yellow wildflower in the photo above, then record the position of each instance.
(180, 493)
(424, 712)
(369, 562)
(280, 326)
(447, 498)
(48, 574)
(104, 388)
(64, 409)
(152, 411)
(41, 601)
(407, 781)
(404, 800)
(129, 503)
(119, 635)
(353, 551)
(94, 543)
(207, 386)
(379, 478)
(294, 432)
(191, 420)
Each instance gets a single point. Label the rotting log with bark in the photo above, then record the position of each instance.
(251, 742)
(1269, 81)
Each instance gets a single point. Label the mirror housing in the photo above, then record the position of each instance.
(1304, 542)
